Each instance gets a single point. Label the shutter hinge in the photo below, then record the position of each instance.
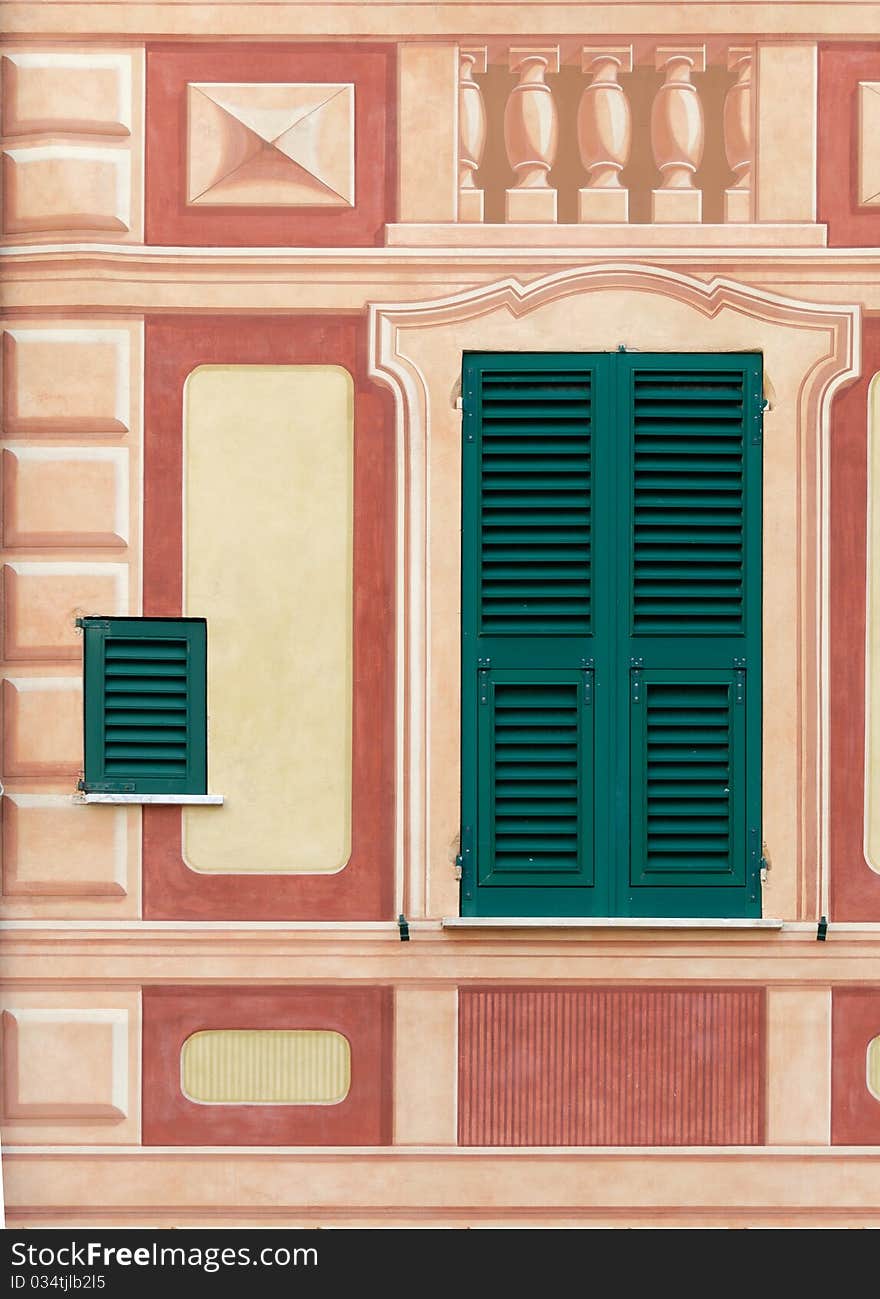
(758, 421)
(756, 861)
(464, 861)
(466, 407)
(765, 862)
(636, 680)
(103, 624)
(588, 668)
(739, 673)
(484, 665)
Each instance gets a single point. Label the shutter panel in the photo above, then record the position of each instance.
(528, 647)
(688, 759)
(145, 705)
(536, 778)
(535, 502)
(688, 502)
(693, 640)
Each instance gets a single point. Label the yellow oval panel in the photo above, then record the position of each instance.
(874, 1067)
(238, 1066)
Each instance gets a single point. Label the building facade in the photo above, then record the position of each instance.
(441, 655)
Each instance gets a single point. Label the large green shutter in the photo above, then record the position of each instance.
(531, 498)
(611, 631)
(145, 705)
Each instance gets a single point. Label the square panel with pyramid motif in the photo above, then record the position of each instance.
(279, 145)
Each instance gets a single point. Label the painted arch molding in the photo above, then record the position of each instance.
(810, 350)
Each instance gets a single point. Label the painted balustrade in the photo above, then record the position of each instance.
(605, 140)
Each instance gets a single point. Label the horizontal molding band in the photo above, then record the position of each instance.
(274, 20)
(544, 1181)
(134, 953)
(88, 279)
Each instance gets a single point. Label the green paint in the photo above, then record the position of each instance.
(145, 705)
(611, 634)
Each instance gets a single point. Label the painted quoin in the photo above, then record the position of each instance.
(441, 658)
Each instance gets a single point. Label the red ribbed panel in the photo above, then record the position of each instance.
(611, 1067)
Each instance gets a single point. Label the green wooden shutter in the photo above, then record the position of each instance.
(692, 578)
(528, 649)
(611, 634)
(145, 705)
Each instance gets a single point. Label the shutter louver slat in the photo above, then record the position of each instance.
(688, 502)
(536, 755)
(535, 503)
(147, 681)
(689, 774)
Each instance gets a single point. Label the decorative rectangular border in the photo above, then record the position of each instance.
(168, 219)
(362, 1015)
(841, 68)
(363, 890)
(854, 886)
(855, 1020)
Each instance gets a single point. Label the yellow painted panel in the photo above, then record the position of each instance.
(268, 562)
(235, 1066)
(874, 1067)
(872, 720)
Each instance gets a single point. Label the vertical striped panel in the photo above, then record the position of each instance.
(611, 1066)
(233, 1066)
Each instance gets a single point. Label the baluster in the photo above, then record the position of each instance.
(738, 136)
(604, 127)
(531, 131)
(471, 133)
(677, 135)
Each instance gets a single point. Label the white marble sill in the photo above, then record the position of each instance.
(603, 922)
(194, 800)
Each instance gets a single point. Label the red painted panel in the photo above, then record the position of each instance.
(841, 68)
(855, 888)
(611, 1066)
(855, 1020)
(364, 889)
(363, 1015)
(168, 219)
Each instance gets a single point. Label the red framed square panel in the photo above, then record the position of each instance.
(270, 145)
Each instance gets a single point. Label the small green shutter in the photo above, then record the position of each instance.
(611, 634)
(145, 705)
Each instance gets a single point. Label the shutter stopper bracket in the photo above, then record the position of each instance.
(822, 929)
(403, 927)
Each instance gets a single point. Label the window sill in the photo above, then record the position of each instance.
(197, 800)
(603, 922)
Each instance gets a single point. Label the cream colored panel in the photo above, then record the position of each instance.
(59, 382)
(872, 682)
(70, 1070)
(66, 187)
(427, 132)
(268, 542)
(62, 93)
(42, 601)
(785, 150)
(425, 1066)
(266, 1067)
(869, 142)
(53, 847)
(873, 1063)
(798, 1066)
(42, 726)
(67, 496)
